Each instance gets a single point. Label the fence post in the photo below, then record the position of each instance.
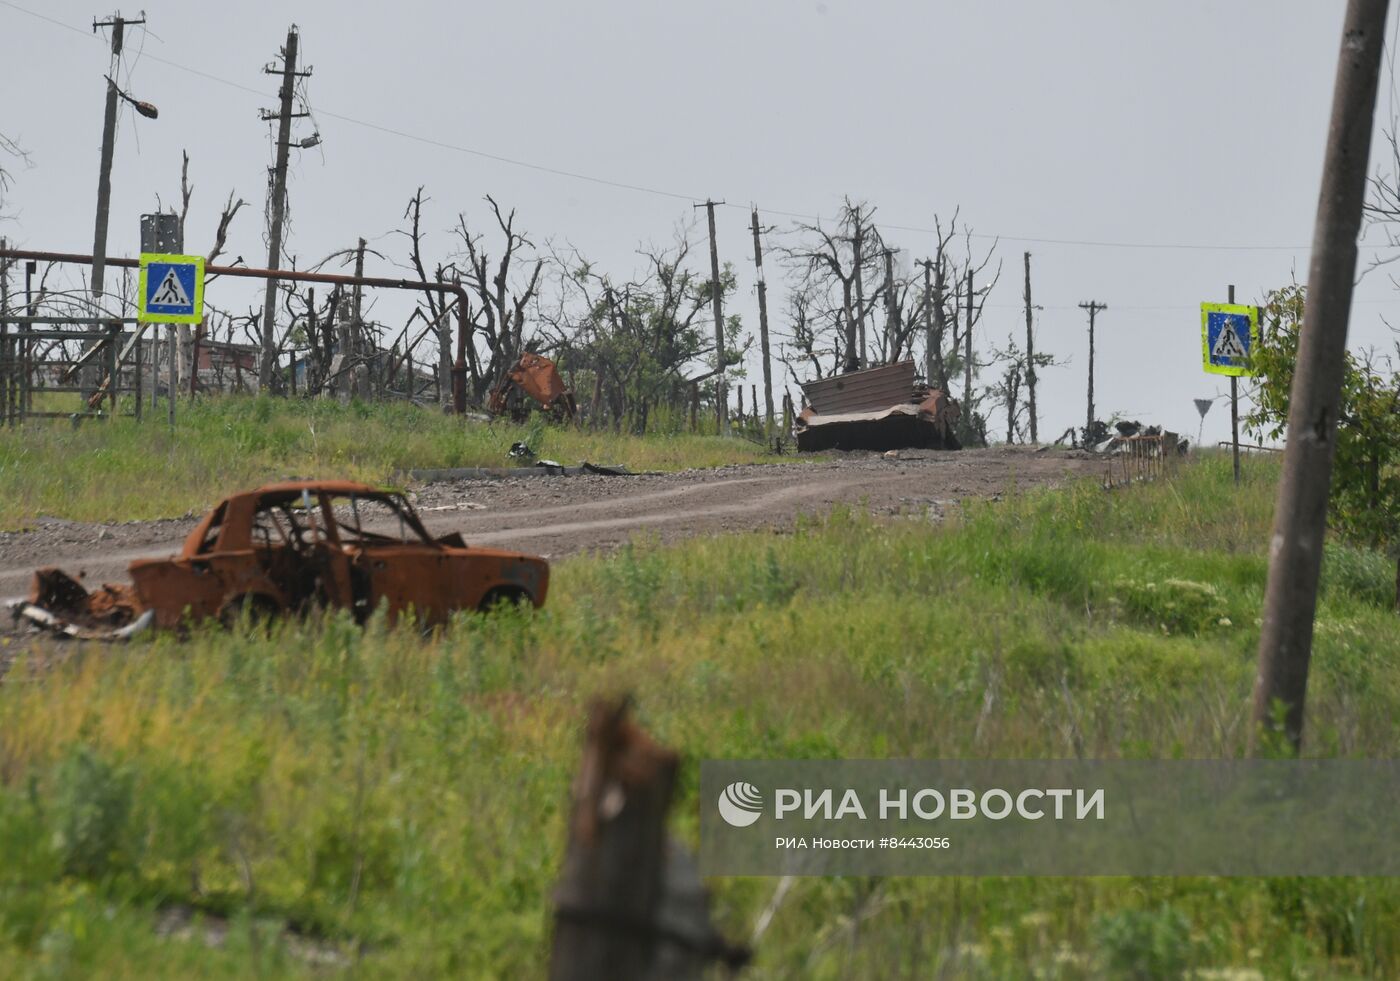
(114, 337)
(629, 904)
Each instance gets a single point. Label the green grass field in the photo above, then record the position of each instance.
(400, 801)
(120, 470)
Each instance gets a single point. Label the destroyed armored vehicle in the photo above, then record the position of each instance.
(876, 409)
(287, 548)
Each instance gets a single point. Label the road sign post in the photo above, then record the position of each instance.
(1229, 335)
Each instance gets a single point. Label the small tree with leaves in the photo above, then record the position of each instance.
(1364, 507)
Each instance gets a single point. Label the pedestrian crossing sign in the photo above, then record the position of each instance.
(1229, 334)
(171, 289)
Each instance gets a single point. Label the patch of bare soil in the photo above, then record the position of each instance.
(560, 516)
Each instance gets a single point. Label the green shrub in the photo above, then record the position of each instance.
(1145, 944)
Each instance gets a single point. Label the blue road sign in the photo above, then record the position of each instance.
(171, 289)
(1228, 334)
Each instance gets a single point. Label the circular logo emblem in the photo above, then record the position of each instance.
(741, 804)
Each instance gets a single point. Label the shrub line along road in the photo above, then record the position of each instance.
(559, 516)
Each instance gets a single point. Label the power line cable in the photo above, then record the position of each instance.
(675, 195)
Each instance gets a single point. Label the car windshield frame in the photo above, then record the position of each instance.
(357, 535)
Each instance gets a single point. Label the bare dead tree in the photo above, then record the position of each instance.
(1008, 390)
(500, 319)
(436, 303)
(840, 270)
(231, 208)
(188, 340)
(9, 148)
(641, 342)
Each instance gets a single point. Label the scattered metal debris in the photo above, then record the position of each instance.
(288, 548)
(542, 468)
(109, 613)
(876, 409)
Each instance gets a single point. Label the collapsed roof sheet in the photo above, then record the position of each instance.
(862, 391)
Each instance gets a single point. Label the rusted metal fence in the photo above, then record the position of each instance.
(42, 355)
(451, 291)
(1134, 459)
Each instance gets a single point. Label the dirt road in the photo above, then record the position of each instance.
(558, 516)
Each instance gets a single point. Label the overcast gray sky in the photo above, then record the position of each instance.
(1188, 123)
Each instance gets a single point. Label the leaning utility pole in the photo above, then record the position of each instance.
(1093, 306)
(1030, 354)
(109, 138)
(104, 175)
(763, 329)
(1300, 517)
(278, 202)
(717, 302)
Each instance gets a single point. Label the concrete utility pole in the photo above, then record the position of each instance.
(104, 175)
(940, 325)
(892, 318)
(1300, 518)
(929, 352)
(1030, 354)
(763, 329)
(857, 243)
(967, 354)
(1093, 306)
(717, 300)
(278, 201)
(109, 139)
(358, 348)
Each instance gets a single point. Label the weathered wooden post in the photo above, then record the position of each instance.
(629, 905)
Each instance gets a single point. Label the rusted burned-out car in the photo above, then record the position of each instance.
(286, 548)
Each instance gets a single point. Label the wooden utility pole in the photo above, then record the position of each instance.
(717, 302)
(1030, 354)
(8, 362)
(763, 329)
(1300, 517)
(278, 203)
(629, 903)
(1093, 306)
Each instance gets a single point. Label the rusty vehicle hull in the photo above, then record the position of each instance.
(899, 427)
(289, 548)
